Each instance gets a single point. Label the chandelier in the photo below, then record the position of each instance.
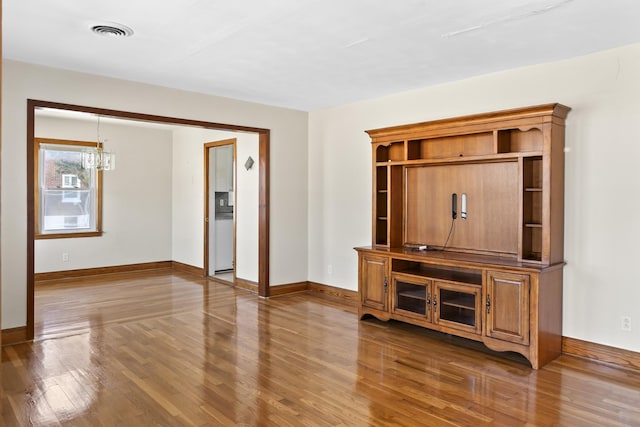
(97, 158)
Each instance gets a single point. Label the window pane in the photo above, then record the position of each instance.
(67, 191)
(67, 210)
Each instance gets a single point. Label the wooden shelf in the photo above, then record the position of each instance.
(533, 256)
(463, 303)
(528, 139)
(460, 159)
(417, 294)
(453, 274)
(393, 151)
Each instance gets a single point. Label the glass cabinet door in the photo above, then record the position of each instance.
(457, 306)
(411, 296)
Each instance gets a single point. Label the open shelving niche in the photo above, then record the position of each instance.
(450, 291)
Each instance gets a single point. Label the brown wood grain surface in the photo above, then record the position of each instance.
(173, 349)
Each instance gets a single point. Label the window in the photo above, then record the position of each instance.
(70, 180)
(68, 197)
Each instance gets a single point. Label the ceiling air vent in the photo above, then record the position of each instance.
(113, 30)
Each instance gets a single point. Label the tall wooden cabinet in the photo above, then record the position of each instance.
(467, 233)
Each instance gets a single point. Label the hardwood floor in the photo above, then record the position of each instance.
(170, 349)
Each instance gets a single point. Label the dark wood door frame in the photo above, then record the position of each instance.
(263, 196)
(207, 213)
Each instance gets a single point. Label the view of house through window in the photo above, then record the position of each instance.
(68, 195)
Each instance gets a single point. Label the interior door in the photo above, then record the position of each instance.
(220, 207)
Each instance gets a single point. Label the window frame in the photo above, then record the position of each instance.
(36, 192)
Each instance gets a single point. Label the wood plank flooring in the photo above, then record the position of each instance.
(169, 349)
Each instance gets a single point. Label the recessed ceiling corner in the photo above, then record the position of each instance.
(112, 29)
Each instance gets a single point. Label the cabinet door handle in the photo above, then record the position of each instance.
(386, 284)
(428, 299)
(435, 302)
(488, 304)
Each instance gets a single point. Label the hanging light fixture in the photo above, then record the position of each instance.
(97, 158)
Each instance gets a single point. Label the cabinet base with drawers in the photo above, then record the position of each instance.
(507, 305)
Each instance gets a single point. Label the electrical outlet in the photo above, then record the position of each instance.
(626, 323)
(65, 256)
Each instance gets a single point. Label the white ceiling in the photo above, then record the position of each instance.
(311, 54)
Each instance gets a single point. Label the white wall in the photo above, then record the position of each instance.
(247, 203)
(140, 221)
(602, 179)
(136, 199)
(288, 184)
(188, 197)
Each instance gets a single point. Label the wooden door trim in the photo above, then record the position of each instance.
(263, 208)
(0, 151)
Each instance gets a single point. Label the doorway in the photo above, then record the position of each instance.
(220, 209)
(263, 141)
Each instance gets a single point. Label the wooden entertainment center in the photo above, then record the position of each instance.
(468, 219)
